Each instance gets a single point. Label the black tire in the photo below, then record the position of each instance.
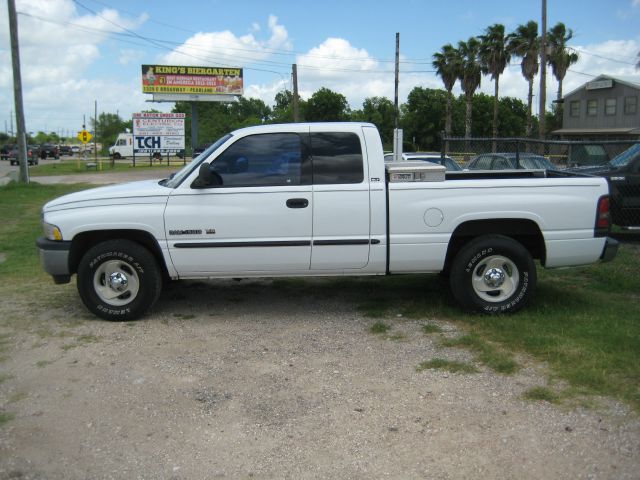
(493, 274)
(157, 156)
(134, 272)
(117, 156)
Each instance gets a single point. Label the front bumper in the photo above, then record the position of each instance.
(54, 257)
(610, 249)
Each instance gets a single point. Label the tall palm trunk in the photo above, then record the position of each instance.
(467, 119)
(495, 114)
(447, 121)
(529, 104)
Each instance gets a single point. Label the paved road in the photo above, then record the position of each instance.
(7, 170)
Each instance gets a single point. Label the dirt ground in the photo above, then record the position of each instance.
(252, 380)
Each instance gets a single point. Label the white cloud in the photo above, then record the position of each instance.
(58, 46)
(227, 49)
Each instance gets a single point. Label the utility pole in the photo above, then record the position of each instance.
(397, 133)
(543, 73)
(17, 92)
(296, 111)
(397, 81)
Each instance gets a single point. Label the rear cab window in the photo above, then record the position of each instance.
(337, 158)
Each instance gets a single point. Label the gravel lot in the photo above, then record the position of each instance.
(260, 379)
(252, 380)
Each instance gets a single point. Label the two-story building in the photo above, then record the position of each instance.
(605, 108)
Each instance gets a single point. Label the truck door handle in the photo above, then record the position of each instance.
(297, 203)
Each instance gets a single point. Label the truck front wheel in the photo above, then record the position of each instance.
(493, 274)
(119, 280)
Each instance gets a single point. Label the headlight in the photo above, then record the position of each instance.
(51, 231)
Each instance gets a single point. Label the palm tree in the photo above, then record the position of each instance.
(494, 56)
(560, 58)
(470, 75)
(525, 43)
(447, 65)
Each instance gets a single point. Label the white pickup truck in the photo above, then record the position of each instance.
(318, 199)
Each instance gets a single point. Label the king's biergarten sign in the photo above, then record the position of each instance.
(192, 80)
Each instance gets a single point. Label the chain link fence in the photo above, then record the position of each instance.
(590, 157)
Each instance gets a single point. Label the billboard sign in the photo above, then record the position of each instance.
(158, 132)
(192, 80)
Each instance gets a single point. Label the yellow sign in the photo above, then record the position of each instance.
(84, 136)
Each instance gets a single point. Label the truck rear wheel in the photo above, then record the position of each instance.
(493, 274)
(119, 280)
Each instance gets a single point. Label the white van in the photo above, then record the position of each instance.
(123, 147)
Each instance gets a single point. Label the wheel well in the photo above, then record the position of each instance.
(84, 241)
(526, 232)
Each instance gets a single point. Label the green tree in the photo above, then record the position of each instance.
(283, 109)
(560, 58)
(524, 42)
(107, 128)
(423, 118)
(379, 111)
(470, 75)
(494, 57)
(447, 63)
(327, 106)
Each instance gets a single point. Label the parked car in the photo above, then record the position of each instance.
(32, 157)
(507, 161)
(5, 150)
(623, 175)
(48, 150)
(587, 155)
(75, 149)
(65, 150)
(434, 157)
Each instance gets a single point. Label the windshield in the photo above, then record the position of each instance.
(185, 171)
(625, 157)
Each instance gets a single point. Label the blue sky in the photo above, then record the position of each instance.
(77, 51)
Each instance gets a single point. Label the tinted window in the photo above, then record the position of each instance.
(482, 163)
(501, 164)
(337, 158)
(261, 160)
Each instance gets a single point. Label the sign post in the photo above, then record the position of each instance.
(85, 137)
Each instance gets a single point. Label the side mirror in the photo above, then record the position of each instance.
(208, 177)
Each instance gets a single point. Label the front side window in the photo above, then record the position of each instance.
(592, 108)
(574, 108)
(337, 158)
(271, 159)
(630, 105)
(610, 106)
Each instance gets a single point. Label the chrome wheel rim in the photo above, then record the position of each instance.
(116, 283)
(495, 279)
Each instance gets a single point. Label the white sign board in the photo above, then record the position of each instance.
(158, 132)
(599, 84)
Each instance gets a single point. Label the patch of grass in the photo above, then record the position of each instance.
(379, 328)
(448, 365)
(76, 166)
(184, 316)
(16, 397)
(20, 207)
(486, 353)
(398, 337)
(542, 394)
(4, 377)
(80, 341)
(43, 363)
(429, 328)
(6, 417)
